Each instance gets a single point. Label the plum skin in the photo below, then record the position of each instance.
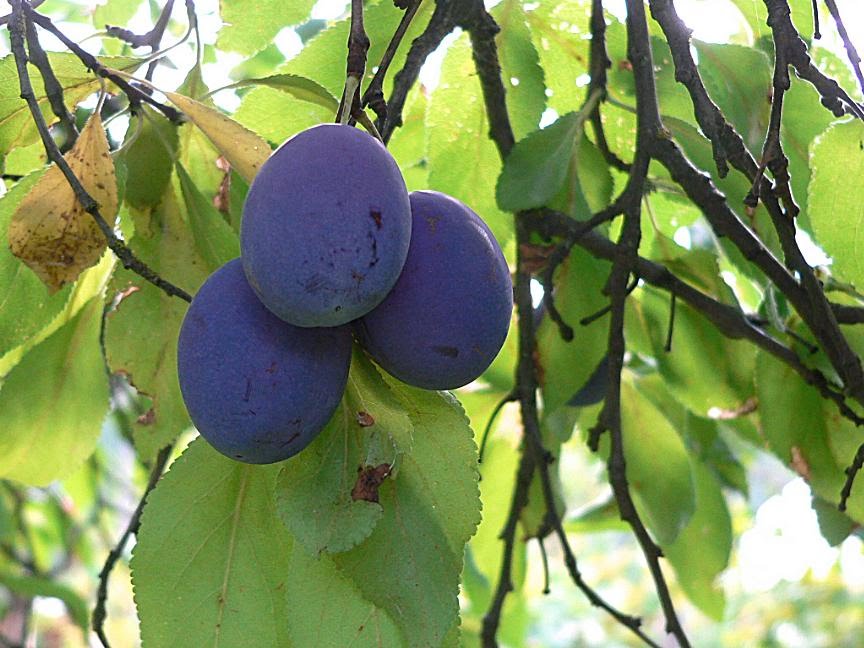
(448, 314)
(326, 226)
(257, 388)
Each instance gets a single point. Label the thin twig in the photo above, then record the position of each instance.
(671, 330)
(99, 612)
(33, 3)
(851, 472)
(598, 64)
(152, 39)
(851, 52)
(648, 127)
(482, 30)
(816, 33)
(136, 96)
(53, 89)
(560, 254)
(492, 618)
(593, 317)
(123, 253)
(355, 66)
(508, 398)
(374, 94)
(834, 97)
(442, 22)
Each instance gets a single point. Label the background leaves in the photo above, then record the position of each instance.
(709, 425)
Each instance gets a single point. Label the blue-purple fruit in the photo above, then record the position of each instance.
(447, 316)
(257, 388)
(326, 226)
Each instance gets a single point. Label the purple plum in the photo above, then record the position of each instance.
(447, 316)
(326, 226)
(257, 388)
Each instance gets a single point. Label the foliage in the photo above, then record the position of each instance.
(685, 328)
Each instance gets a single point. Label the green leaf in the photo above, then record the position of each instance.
(332, 611)
(578, 293)
(148, 153)
(276, 116)
(16, 123)
(249, 29)
(738, 79)
(833, 523)
(33, 586)
(215, 241)
(295, 85)
(314, 491)
(560, 33)
(806, 432)
(804, 118)
(666, 498)
(410, 564)
(836, 198)
(705, 371)
(520, 68)
(26, 307)
(463, 161)
(200, 160)
(210, 557)
(323, 57)
(537, 166)
(556, 166)
(141, 332)
(709, 529)
(408, 143)
(602, 517)
(53, 402)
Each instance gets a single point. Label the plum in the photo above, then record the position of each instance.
(447, 316)
(326, 226)
(257, 388)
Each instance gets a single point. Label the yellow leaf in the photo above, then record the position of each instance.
(245, 150)
(50, 231)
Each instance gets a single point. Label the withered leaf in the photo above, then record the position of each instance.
(50, 231)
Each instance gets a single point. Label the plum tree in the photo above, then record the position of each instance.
(326, 226)
(448, 314)
(257, 388)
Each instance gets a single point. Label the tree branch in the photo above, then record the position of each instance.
(53, 89)
(834, 97)
(482, 30)
(374, 94)
(99, 613)
(123, 253)
(135, 94)
(851, 52)
(442, 22)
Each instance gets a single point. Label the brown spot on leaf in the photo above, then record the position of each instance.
(369, 479)
(799, 463)
(148, 417)
(365, 419)
(222, 199)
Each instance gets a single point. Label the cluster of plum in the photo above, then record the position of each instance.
(333, 247)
